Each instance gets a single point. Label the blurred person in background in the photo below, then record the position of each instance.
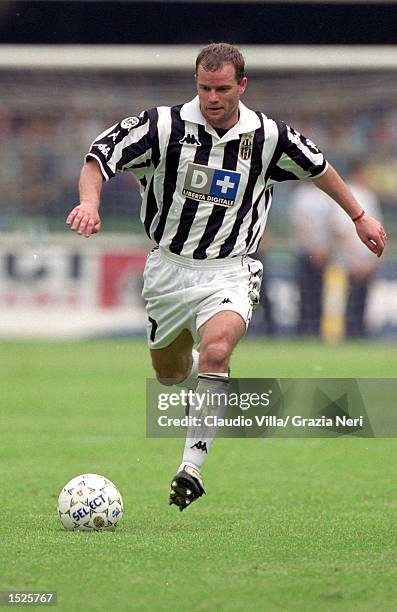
(356, 259)
(311, 211)
(324, 235)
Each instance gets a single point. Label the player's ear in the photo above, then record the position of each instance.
(243, 84)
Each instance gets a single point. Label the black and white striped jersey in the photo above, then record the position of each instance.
(205, 195)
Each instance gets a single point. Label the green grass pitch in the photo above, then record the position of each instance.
(286, 524)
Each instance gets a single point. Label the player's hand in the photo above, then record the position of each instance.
(84, 219)
(372, 234)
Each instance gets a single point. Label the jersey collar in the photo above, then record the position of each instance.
(248, 121)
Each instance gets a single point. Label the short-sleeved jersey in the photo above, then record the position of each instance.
(205, 195)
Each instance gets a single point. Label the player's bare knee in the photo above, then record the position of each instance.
(214, 357)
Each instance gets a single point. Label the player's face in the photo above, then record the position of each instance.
(219, 94)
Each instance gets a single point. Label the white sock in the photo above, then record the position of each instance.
(200, 437)
(190, 382)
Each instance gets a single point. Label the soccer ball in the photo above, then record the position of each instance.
(90, 502)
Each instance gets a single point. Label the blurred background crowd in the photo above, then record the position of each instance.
(49, 119)
(319, 281)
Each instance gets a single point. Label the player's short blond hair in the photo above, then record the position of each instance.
(215, 55)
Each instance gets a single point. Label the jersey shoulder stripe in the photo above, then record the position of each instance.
(300, 157)
(116, 147)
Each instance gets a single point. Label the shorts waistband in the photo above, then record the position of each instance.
(202, 264)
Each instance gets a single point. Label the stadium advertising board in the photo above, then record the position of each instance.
(57, 290)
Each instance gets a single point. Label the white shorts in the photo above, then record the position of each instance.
(183, 293)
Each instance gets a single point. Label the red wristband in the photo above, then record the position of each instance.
(360, 216)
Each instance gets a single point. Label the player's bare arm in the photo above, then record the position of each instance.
(84, 219)
(370, 231)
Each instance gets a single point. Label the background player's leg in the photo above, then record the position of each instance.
(355, 307)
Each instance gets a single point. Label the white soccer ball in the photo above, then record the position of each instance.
(90, 502)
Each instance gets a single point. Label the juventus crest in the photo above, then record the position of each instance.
(246, 145)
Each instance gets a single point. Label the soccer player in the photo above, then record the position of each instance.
(206, 171)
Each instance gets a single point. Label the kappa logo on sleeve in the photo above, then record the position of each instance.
(104, 149)
(210, 185)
